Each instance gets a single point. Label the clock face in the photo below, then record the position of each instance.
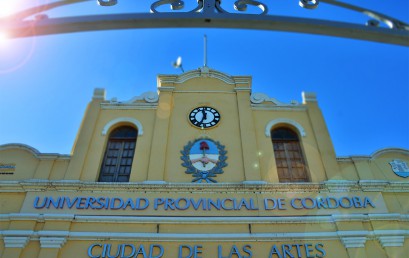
(204, 117)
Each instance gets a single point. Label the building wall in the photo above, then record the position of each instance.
(52, 205)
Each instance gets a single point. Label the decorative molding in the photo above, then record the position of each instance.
(254, 182)
(287, 121)
(15, 242)
(135, 106)
(202, 72)
(350, 239)
(389, 241)
(210, 14)
(149, 96)
(269, 107)
(353, 242)
(341, 186)
(374, 155)
(383, 151)
(209, 220)
(154, 182)
(258, 98)
(147, 100)
(34, 151)
(115, 121)
(52, 242)
(161, 186)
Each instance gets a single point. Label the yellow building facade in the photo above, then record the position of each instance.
(203, 168)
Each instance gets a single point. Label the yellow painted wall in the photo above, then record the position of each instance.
(380, 231)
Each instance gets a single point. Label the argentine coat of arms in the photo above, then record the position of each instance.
(204, 159)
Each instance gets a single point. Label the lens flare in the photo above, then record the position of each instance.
(8, 8)
(4, 38)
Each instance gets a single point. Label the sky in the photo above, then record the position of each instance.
(362, 87)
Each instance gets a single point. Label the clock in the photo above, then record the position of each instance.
(204, 117)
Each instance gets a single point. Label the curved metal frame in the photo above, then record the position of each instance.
(207, 14)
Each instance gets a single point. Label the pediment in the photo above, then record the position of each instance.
(204, 79)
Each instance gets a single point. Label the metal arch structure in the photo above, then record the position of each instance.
(207, 14)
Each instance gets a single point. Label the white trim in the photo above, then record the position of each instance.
(31, 185)
(258, 98)
(149, 96)
(15, 242)
(154, 182)
(247, 182)
(130, 106)
(349, 238)
(52, 242)
(36, 153)
(389, 150)
(283, 121)
(202, 72)
(208, 220)
(353, 242)
(121, 120)
(387, 241)
(374, 155)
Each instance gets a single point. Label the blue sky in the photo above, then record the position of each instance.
(362, 87)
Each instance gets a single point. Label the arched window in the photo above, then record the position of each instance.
(119, 153)
(290, 162)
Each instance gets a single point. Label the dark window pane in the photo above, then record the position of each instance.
(289, 159)
(117, 163)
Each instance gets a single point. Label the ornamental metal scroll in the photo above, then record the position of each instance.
(207, 14)
(211, 6)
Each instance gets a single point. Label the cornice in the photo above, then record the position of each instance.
(207, 220)
(374, 155)
(350, 238)
(331, 186)
(127, 106)
(35, 152)
(269, 107)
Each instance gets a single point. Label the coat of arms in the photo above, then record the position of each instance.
(400, 168)
(204, 159)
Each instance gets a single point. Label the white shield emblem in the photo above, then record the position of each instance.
(400, 168)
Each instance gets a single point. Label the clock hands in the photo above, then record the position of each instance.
(204, 116)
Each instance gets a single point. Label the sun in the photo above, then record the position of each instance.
(9, 7)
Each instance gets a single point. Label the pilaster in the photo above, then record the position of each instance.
(157, 159)
(84, 136)
(324, 142)
(248, 137)
(392, 245)
(14, 246)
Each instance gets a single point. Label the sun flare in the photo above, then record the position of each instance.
(8, 8)
(3, 38)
